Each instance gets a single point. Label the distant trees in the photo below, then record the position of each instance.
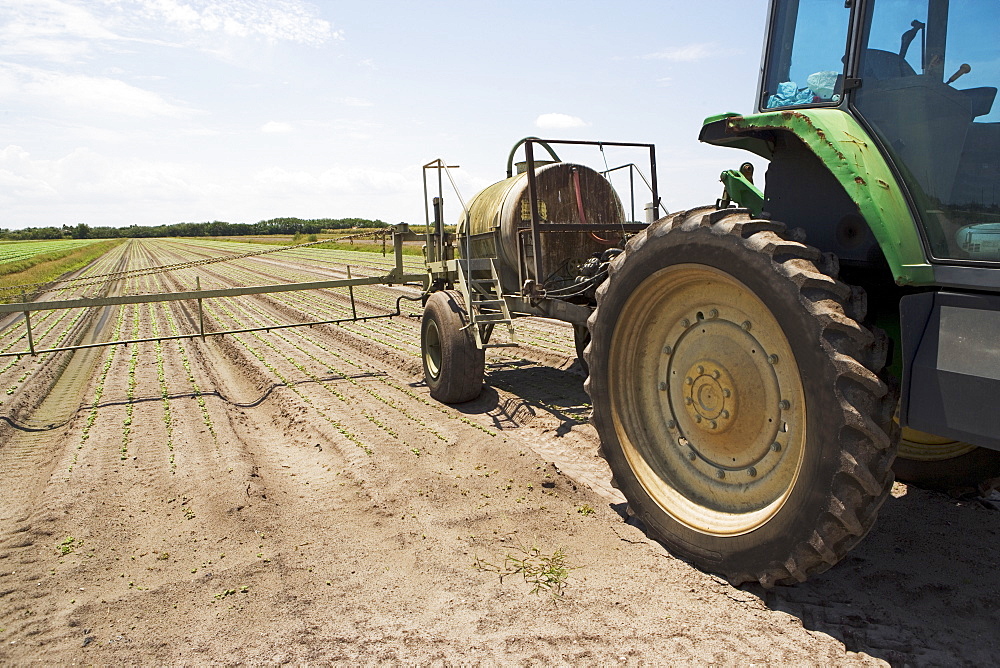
(216, 228)
(36, 233)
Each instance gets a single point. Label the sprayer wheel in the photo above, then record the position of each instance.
(453, 365)
(738, 406)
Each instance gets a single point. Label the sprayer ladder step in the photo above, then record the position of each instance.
(483, 295)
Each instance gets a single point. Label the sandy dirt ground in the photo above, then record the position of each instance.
(297, 496)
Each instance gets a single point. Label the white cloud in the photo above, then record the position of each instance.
(355, 102)
(65, 32)
(86, 176)
(276, 127)
(347, 180)
(685, 54)
(274, 20)
(49, 30)
(78, 91)
(20, 178)
(106, 189)
(559, 122)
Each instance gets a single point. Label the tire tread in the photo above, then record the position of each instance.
(865, 398)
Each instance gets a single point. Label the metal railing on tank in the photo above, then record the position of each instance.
(538, 226)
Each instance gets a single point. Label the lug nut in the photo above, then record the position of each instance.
(773, 359)
(663, 385)
(720, 474)
(784, 404)
(746, 325)
(697, 418)
(689, 381)
(671, 424)
(688, 401)
(752, 471)
(714, 313)
(726, 392)
(667, 350)
(776, 447)
(701, 370)
(713, 424)
(724, 414)
(692, 456)
(716, 375)
(685, 323)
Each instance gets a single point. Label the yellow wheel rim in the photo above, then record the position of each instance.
(707, 400)
(432, 348)
(924, 447)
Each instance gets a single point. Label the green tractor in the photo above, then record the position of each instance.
(760, 368)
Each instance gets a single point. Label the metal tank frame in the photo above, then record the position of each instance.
(453, 265)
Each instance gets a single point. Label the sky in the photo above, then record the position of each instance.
(149, 112)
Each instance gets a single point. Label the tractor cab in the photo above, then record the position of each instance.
(922, 77)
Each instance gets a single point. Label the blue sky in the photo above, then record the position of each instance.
(115, 112)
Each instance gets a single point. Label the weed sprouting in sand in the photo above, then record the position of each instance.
(545, 573)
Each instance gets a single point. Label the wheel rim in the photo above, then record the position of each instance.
(923, 447)
(432, 348)
(707, 400)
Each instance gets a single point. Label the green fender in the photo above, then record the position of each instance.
(854, 159)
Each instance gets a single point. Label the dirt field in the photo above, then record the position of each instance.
(296, 496)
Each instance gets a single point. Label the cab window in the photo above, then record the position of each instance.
(805, 64)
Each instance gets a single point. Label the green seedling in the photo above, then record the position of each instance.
(68, 545)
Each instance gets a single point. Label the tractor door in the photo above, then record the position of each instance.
(929, 71)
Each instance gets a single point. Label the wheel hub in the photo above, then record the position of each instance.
(432, 348)
(727, 401)
(713, 414)
(710, 401)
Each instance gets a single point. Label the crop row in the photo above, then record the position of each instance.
(12, 251)
(292, 354)
(546, 337)
(49, 329)
(127, 371)
(300, 359)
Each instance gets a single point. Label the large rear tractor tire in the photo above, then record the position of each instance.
(944, 464)
(738, 404)
(453, 365)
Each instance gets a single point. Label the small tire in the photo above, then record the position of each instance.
(945, 465)
(453, 364)
(738, 405)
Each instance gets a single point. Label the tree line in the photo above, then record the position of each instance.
(216, 228)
